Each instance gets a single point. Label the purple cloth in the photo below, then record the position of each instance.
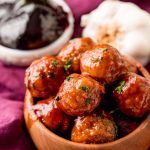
(13, 134)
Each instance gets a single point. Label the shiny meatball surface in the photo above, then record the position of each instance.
(52, 116)
(125, 124)
(44, 77)
(94, 128)
(79, 95)
(130, 64)
(73, 50)
(133, 95)
(103, 62)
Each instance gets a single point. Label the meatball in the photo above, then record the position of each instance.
(132, 95)
(103, 62)
(94, 128)
(79, 95)
(125, 124)
(42, 75)
(71, 53)
(130, 64)
(52, 116)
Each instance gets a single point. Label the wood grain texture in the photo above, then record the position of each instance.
(44, 139)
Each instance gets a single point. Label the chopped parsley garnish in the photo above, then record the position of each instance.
(57, 98)
(88, 100)
(104, 49)
(113, 111)
(84, 88)
(95, 60)
(67, 65)
(55, 63)
(68, 78)
(50, 74)
(120, 87)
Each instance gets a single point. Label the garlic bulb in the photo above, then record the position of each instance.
(121, 24)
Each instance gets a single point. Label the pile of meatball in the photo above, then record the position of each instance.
(88, 93)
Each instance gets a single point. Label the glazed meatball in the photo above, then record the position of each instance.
(125, 124)
(103, 62)
(130, 64)
(79, 95)
(44, 77)
(94, 128)
(133, 95)
(52, 116)
(71, 53)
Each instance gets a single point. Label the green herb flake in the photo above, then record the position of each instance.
(88, 101)
(57, 98)
(67, 65)
(84, 88)
(113, 111)
(50, 74)
(95, 60)
(120, 87)
(103, 48)
(68, 78)
(55, 63)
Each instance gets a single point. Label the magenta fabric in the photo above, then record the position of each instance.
(13, 134)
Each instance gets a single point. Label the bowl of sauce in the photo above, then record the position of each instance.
(30, 29)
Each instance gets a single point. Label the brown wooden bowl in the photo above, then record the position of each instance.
(44, 139)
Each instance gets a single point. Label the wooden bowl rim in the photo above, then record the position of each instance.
(145, 122)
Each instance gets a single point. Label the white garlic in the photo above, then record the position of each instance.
(121, 24)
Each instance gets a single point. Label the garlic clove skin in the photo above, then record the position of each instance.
(137, 46)
(121, 24)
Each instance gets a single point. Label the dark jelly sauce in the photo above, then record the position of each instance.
(33, 25)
